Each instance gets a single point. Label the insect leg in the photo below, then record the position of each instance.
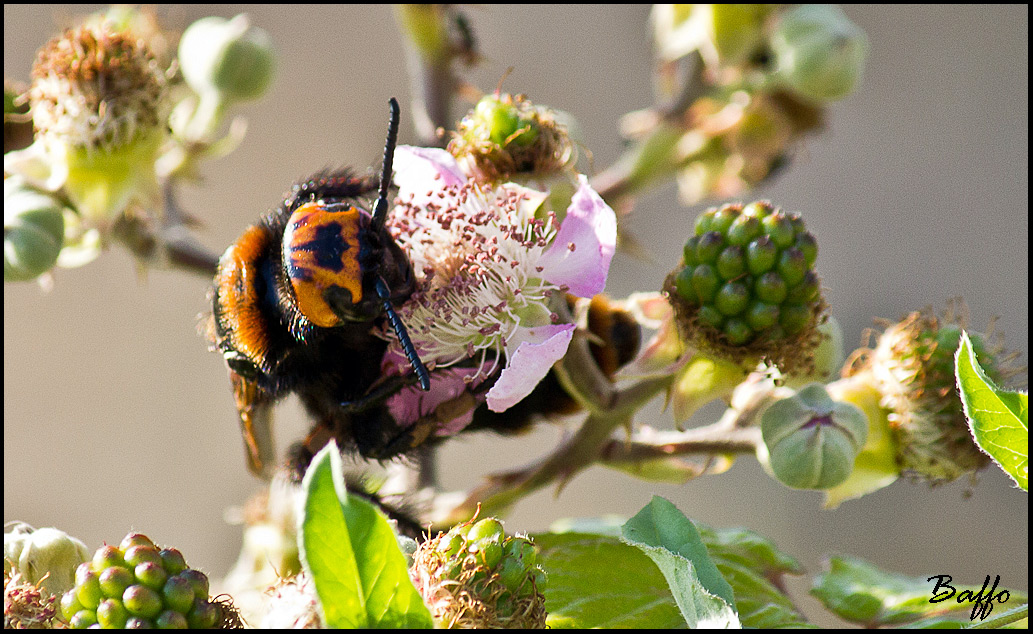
(255, 409)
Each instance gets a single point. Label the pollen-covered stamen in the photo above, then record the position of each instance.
(475, 254)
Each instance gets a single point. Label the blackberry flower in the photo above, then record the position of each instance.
(490, 266)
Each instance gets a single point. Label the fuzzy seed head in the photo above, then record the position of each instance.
(505, 135)
(27, 606)
(912, 367)
(94, 87)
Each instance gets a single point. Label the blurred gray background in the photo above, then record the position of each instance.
(116, 416)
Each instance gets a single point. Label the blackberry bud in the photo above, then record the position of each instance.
(818, 52)
(810, 441)
(747, 289)
(474, 576)
(34, 230)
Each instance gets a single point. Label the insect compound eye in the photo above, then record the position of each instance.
(321, 257)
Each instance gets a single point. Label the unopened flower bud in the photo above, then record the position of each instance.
(34, 229)
(725, 34)
(224, 62)
(228, 58)
(819, 53)
(46, 556)
(811, 441)
(876, 465)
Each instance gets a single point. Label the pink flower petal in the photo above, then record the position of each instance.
(579, 257)
(412, 403)
(529, 355)
(422, 172)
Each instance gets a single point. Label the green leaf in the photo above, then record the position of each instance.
(754, 567)
(751, 564)
(667, 537)
(859, 592)
(349, 549)
(596, 581)
(998, 418)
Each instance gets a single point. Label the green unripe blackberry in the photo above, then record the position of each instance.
(737, 331)
(743, 229)
(711, 316)
(732, 299)
(476, 576)
(747, 289)
(762, 316)
(136, 585)
(112, 615)
(115, 580)
(723, 218)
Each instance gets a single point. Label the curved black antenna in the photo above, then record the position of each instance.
(403, 336)
(380, 208)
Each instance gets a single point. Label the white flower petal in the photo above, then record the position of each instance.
(34, 165)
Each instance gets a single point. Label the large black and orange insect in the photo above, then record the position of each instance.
(295, 303)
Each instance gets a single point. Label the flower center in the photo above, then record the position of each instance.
(475, 255)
